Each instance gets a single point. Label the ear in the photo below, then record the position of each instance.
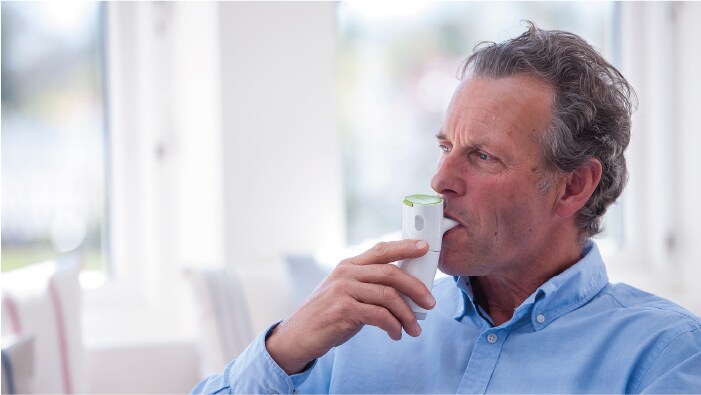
(579, 185)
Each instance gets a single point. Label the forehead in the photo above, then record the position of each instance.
(516, 107)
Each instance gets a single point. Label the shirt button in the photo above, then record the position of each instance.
(540, 318)
(492, 338)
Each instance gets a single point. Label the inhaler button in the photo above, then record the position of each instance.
(418, 222)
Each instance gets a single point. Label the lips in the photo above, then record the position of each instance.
(451, 230)
(447, 213)
(451, 216)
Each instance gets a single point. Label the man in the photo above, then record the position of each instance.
(532, 155)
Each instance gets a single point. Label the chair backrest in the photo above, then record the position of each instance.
(17, 364)
(43, 302)
(223, 316)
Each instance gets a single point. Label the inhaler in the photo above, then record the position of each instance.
(423, 220)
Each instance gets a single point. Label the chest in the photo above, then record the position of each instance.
(460, 359)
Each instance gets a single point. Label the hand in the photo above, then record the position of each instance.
(360, 290)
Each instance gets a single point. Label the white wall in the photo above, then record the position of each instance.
(282, 171)
(226, 154)
(658, 52)
(688, 83)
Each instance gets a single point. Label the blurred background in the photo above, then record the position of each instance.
(178, 176)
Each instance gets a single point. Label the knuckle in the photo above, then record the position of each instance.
(338, 286)
(379, 314)
(344, 307)
(345, 262)
(388, 293)
(341, 270)
(389, 270)
(380, 249)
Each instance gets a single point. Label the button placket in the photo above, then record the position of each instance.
(483, 360)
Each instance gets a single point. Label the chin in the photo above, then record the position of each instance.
(447, 264)
(460, 261)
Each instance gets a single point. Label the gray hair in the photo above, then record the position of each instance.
(591, 111)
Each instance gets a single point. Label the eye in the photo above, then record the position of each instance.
(483, 156)
(444, 148)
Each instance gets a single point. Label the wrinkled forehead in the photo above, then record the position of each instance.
(515, 102)
(515, 90)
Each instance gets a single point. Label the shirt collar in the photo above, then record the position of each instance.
(556, 297)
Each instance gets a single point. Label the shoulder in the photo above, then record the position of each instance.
(654, 339)
(636, 301)
(646, 317)
(663, 337)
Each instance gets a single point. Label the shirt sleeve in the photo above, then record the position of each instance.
(254, 372)
(677, 369)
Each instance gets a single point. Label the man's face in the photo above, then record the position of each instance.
(488, 174)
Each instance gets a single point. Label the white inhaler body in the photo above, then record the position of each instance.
(423, 220)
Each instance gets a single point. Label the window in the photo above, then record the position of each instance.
(398, 65)
(53, 133)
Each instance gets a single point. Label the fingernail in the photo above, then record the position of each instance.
(417, 329)
(420, 244)
(430, 300)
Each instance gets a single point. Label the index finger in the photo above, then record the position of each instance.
(390, 251)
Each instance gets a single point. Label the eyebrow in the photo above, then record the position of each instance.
(477, 144)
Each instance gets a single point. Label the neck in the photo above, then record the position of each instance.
(499, 294)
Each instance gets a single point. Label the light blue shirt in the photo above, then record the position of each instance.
(577, 333)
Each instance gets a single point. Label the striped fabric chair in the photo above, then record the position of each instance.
(234, 306)
(17, 364)
(42, 343)
(223, 316)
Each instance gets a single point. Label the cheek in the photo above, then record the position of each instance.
(503, 212)
(516, 217)
(493, 206)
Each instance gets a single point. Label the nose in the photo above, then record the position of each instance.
(448, 180)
